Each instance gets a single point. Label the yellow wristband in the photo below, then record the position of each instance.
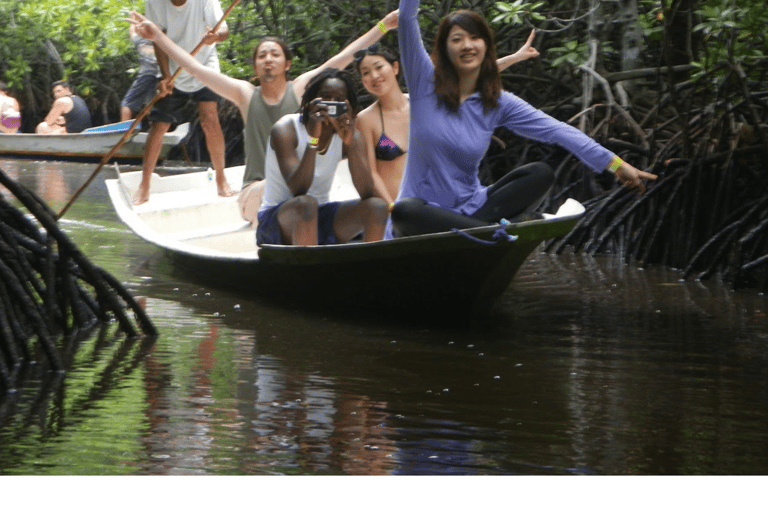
(382, 27)
(391, 207)
(615, 164)
(313, 142)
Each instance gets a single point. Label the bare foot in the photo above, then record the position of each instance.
(141, 196)
(225, 190)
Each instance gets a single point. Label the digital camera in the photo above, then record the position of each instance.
(335, 108)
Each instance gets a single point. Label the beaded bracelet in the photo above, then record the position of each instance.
(313, 142)
(615, 164)
(382, 27)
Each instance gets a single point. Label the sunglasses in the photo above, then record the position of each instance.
(374, 49)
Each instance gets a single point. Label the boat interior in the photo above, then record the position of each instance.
(185, 209)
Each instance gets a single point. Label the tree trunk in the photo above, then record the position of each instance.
(593, 43)
(680, 43)
(631, 34)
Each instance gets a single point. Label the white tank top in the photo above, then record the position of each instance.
(276, 189)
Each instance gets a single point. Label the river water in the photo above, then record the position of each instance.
(589, 367)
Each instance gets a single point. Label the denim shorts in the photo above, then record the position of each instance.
(171, 108)
(141, 92)
(269, 231)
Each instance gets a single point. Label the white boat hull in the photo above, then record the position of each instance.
(85, 146)
(441, 273)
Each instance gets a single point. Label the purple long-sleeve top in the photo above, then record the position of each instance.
(445, 148)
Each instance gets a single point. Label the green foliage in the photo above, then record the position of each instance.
(733, 32)
(651, 18)
(87, 41)
(47, 40)
(517, 12)
(570, 52)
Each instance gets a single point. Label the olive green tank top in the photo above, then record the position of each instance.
(261, 117)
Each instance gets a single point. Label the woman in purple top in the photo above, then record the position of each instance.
(457, 102)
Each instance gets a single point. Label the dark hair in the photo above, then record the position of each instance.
(374, 49)
(446, 77)
(3, 86)
(62, 83)
(314, 87)
(286, 51)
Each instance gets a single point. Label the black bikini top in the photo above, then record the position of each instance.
(386, 149)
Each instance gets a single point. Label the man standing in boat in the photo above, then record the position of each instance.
(68, 114)
(186, 22)
(261, 106)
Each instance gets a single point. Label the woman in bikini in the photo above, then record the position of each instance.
(384, 124)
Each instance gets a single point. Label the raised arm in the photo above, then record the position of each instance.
(527, 51)
(237, 91)
(298, 173)
(416, 63)
(342, 59)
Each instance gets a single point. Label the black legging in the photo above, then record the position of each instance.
(519, 191)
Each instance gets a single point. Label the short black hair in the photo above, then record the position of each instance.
(3, 86)
(62, 83)
(314, 86)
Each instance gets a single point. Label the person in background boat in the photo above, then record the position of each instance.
(303, 152)
(384, 124)
(261, 106)
(457, 102)
(10, 112)
(186, 22)
(144, 87)
(68, 114)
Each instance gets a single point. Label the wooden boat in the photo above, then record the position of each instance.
(444, 273)
(89, 145)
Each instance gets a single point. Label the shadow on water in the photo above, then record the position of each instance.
(585, 367)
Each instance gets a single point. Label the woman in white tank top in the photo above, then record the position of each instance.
(302, 155)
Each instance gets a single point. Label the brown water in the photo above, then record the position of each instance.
(589, 367)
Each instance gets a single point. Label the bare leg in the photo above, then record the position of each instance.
(214, 139)
(368, 216)
(298, 220)
(45, 128)
(151, 153)
(125, 114)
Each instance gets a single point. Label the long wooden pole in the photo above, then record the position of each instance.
(138, 119)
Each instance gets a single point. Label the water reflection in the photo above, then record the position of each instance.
(589, 367)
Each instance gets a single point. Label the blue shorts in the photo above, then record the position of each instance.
(171, 108)
(141, 92)
(269, 232)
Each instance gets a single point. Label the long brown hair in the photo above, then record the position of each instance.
(446, 77)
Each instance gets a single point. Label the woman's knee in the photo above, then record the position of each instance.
(405, 209)
(375, 209)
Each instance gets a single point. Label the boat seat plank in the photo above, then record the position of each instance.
(236, 243)
(215, 229)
